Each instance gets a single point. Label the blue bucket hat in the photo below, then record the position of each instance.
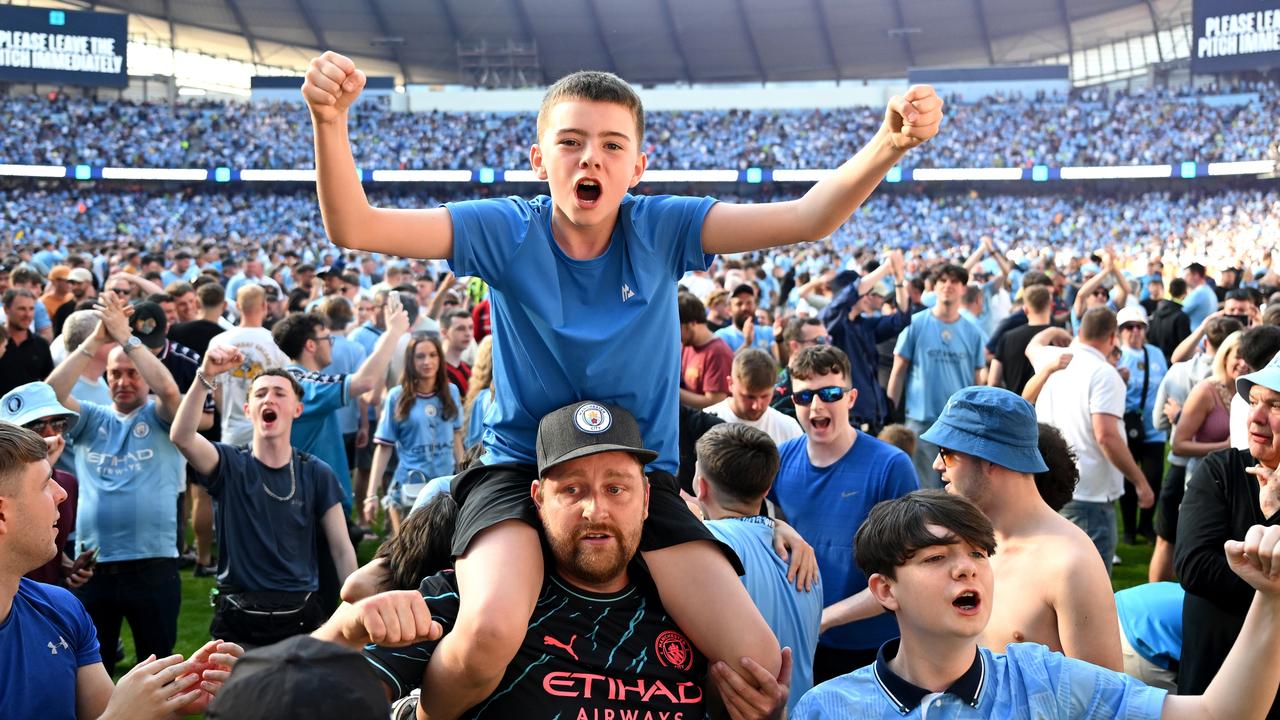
(992, 424)
(30, 402)
(1268, 377)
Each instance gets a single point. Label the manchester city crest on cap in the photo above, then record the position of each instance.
(13, 404)
(592, 418)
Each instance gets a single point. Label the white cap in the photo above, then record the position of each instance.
(1131, 314)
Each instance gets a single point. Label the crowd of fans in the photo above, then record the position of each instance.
(1084, 129)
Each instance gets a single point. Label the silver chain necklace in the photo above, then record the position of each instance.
(293, 484)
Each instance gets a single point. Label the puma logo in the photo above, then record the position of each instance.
(548, 640)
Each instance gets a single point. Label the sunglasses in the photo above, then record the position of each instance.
(949, 457)
(820, 340)
(327, 338)
(833, 393)
(58, 425)
(1132, 326)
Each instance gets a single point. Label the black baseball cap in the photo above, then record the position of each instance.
(587, 428)
(301, 677)
(743, 288)
(149, 324)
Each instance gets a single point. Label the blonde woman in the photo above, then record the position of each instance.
(479, 392)
(1204, 425)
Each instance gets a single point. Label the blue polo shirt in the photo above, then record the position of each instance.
(827, 505)
(1150, 359)
(130, 475)
(566, 330)
(1027, 681)
(794, 615)
(44, 642)
(317, 431)
(762, 338)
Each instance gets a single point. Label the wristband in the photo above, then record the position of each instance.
(204, 380)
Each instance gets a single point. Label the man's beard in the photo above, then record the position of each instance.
(597, 565)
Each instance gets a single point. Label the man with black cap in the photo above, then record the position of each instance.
(1051, 587)
(599, 642)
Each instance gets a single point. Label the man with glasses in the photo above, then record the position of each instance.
(855, 331)
(1146, 367)
(35, 407)
(827, 483)
(1049, 586)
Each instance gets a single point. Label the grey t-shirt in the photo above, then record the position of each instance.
(266, 543)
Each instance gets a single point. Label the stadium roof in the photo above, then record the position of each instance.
(653, 41)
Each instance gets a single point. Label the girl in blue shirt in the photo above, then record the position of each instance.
(422, 420)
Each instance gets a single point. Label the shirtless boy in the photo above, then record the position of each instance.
(579, 281)
(1050, 587)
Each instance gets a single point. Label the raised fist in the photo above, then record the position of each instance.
(913, 118)
(332, 84)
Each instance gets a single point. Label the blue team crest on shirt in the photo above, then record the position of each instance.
(13, 404)
(431, 411)
(592, 418)
(141, 430)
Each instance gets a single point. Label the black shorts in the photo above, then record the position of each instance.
(490, 494)
(1171, 492)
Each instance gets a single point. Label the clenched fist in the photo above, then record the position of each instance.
(332, 84)
(911, 119)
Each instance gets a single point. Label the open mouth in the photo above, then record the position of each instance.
(269, 416)
(587, 192)
(966, 602)
(820, 423)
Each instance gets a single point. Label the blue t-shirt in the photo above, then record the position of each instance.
(265, 543)
(424, 439)
(827, 505)
(1200, 304)
(794, 615)
(348, 356)
(44, 642)
(1027, 681)
(566, 330)
(475, 423)
(437, 486)
(316, 431)
(1155, 365)
(733, 337)
(130, 477)
(1151, 618)
(943, 359)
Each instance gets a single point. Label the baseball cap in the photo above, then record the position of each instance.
(80, 275)
(587, 428)
(993, 424)
(328, 270)
(1268, 377)
(149, 324)
(1131, 314)
(30, 402)
(59, 272)
(741, 288)
(301, 677)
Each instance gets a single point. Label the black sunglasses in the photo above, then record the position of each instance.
(58, 425)
(830, 394)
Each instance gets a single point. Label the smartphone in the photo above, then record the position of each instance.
(87, 559)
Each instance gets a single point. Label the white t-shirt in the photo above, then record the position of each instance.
(260, 353)
(1239, 422)
(776, 425)
(1063, 404)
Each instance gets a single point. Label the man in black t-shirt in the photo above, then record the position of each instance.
(273, 501)
(1010, 367)
(599, 644)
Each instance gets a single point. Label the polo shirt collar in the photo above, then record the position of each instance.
(907, 697)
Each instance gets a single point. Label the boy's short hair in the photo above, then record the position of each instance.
(1037, 297)
(446, 322)
(895, 529)
(1217, 329)
(818, 360)
(755, 369)
(899, 436)
(1258, 345)
(951, 271)
(211, 295)
(691, 308)
(1097, 324)
(294, 330)
(281, 372)
(1177, 287)
(739, 461)
(19, 447)
(595, 86)
(794, 331)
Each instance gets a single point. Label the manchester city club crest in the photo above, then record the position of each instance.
(592, 418)
(946, 336)
(13, 404)
(141, 430)
(674, 650)
(431, 411)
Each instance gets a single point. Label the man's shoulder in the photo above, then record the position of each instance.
(49, 600)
